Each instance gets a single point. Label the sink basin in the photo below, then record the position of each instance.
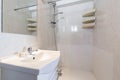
(44, 62)
(38, 56)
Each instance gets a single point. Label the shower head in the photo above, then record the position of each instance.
(50, 1)
(53, 2)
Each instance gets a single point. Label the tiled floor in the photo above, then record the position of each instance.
(69, 74)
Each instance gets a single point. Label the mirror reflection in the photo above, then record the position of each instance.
(19, 16)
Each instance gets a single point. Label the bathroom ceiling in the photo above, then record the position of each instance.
(63, 2)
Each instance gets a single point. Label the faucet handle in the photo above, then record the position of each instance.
(30, 49)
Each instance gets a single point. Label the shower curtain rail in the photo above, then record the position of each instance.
(24, 7)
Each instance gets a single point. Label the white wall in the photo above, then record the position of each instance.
(74, 42)
(103, 64)
(11, 43)
(107, 40)
(0, 16)
(62, 2)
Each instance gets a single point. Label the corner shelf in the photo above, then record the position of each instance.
(32, 25)
(32, 29)
(89, 19)
(89, 25)
(90, 13)
(32, 20)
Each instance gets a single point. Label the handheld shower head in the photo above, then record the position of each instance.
(53, 2)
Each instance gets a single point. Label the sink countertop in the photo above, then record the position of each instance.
(33, 67)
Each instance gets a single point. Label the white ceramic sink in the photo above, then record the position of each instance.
(44, 62)
(36, 56)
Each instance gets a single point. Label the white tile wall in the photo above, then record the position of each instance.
(62, 2)
(107, 39)
(0, 16)
(103, 64)
(11, 43)
(74, 42)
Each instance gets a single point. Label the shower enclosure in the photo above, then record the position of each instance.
(74, 42)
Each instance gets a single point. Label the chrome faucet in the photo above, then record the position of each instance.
(30, 50)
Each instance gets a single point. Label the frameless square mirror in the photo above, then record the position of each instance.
(19, 16)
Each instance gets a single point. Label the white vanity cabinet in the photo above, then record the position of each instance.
(44, 68)
(50, 76)
(11, 74)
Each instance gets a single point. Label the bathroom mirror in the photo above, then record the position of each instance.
(19, 16)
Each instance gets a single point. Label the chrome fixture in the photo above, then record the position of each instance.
(30, 50)
(53, 2)
(54, 7)
(24, 7)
